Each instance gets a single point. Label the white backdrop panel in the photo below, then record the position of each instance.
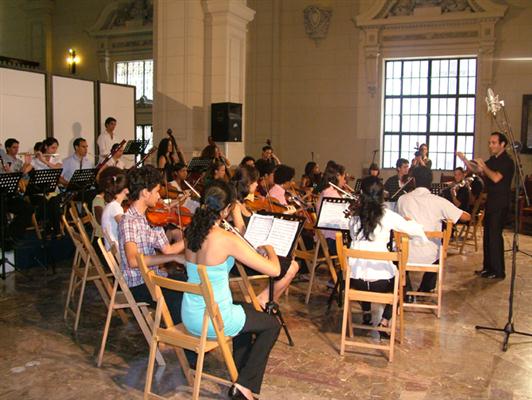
(73, 113)
(118, 101)
(22, 107)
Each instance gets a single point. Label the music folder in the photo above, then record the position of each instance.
(332, 214)
(278, 230)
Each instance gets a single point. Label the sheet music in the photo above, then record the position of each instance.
(278, 233)
(282, 236)
(332, 215)
(258, 229)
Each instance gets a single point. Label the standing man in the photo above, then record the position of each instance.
(106, 139)
(78, 160)
(396, 182)
(428, 210)
(498, 172)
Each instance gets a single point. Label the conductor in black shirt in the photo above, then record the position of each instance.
(498, 172)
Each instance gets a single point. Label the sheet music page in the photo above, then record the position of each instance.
(332, 216)
(282, 236)
(258, 229)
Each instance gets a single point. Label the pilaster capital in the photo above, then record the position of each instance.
(235, 11)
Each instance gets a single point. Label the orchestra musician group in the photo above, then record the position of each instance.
(127, 205)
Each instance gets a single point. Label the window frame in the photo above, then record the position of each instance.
(429, 96)
(128, 62)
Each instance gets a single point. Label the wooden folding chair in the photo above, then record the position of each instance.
(244, 283)
(352, 295)
(326, 258)
(121, 298)
(91, 219)
(468, 234)
(179, 337)
(445, 237)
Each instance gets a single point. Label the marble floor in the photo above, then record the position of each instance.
(40, 358)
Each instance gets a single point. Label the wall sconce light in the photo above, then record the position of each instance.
(72, 60)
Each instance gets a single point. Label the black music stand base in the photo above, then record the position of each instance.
(272, 308)
(508, 330)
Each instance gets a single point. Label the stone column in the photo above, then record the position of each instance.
(39, 26)
(178, 50)
(225, 60)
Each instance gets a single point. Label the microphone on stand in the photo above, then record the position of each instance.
(493, 102)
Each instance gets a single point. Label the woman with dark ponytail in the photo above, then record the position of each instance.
(370, 227)
(210, 245)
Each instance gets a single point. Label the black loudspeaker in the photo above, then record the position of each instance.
(226, 122)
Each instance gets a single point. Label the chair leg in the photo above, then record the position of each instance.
(81, 294)
(144, 321)
(392, 333)
(401, 312)
(151, 364)
(347, 309)
(464, 240)
(199, 370)
(36, 226)
(107, 324)
(440, 287)
(69, 293)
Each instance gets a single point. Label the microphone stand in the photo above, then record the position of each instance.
(493, 106)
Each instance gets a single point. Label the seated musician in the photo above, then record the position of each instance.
(46, 157)
(265, 178)
(254, 333)
(247, 160)
(116, 161)
(282, 178)
(459, 196)
(115, 191)
(245, 181)
(166, 157)
(397, 182)
(268, 157)
(179, 174)
(14, 203)
(78, 160)
(217, 171)
(374, 170)
(213, 152)
(312, 176)
(135, 235)
(370, 227)
(335, 174)
(428, 210)
(12, 162)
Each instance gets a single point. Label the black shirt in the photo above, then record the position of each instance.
(392, 186)
(499, 193)
(462, 195)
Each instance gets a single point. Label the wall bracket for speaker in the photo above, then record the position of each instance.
(316, 20)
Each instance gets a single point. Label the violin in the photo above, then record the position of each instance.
(264, 203)
(161, 215)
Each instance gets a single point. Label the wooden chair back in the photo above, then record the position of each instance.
(352, 295)
(178, 336)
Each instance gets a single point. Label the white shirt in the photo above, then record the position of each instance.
(38, 164)
(105, 143)
(115, 163)
(374, 270)
(429, 210)
(72, 163)
(109, 224)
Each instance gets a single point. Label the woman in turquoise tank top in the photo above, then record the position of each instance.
(217, 249)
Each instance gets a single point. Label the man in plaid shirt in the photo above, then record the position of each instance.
(135, 235)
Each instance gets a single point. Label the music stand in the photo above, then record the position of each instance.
(82, 180)
(358, 185)
(8, 185)
(272, 307)
(198, 164)
(136, 147)
(437, 188)
(332, 216)
(41, 183)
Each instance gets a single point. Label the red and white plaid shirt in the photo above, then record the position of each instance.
(134, 227)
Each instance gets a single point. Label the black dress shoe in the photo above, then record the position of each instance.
(236, 394)
(480, 271)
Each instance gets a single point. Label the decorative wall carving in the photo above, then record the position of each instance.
(316, 20)
(124, 30)
(429, 27)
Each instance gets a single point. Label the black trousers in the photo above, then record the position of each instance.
(331, 244)
(172, 298)
(22, 211)
(252, 346)
(381, 286)
(493, 241)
